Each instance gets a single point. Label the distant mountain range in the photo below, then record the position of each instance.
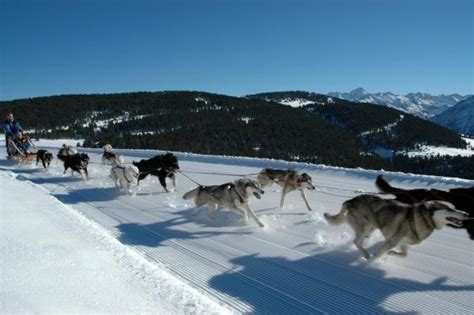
(419, 104)
(459, 117)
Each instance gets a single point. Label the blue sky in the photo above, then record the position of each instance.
(235, 47)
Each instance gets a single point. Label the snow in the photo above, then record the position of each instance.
(297, 102)
(151, 251)
(55, 260)
(427, 150)
(246, 119)
(56, 143)
(201, 99)
(460, 117)
(419, 104)
(103, 123)
(387, 127)
(141, 133)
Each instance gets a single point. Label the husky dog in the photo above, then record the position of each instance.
(45, 157)
(124, 176)
(401, 224)
(234, 196)
(77, 162)
(109, 157)
(289, 180)
(461, 198)
(162, 166)
(66, 150)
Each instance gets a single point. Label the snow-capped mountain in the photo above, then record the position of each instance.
(460, 117)
(420, 104)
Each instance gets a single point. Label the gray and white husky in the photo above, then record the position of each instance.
(401, 224)
(122, 175)
(288, 180)
(234, 196)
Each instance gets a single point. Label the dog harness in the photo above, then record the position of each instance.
(411, 222)
(241, 199)
(124, 173)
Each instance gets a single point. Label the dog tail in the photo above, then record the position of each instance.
(338, 218)
(192, 194)
(384, 186)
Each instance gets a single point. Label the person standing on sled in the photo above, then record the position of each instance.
(11, 127)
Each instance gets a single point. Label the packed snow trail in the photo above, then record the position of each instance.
(54, 260)
(296, 264)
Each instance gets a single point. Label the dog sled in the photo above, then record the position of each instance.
(21, 150)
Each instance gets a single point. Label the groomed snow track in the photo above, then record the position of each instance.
(296, 264)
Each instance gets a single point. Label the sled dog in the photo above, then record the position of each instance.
(289, 180)
(45, 157)
(234, 196)
(66, 150)
(401, 224)
(124, 176)
(162, 166)
(109, 157)
(461, 198)
(77, 162)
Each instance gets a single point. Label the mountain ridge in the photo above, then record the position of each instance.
(327, 130)
(420, 104)
(459, 117)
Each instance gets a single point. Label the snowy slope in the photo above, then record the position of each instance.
(460, 117)
(55, 260)
(297, 102)
(428, 150)
(297, 264)
(419, 104)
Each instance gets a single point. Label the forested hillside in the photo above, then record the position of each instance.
(328, 131)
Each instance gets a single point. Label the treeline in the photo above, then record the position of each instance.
(247, 126)
(378, 126)
(436, 165)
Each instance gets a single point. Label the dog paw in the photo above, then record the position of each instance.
(395, 253)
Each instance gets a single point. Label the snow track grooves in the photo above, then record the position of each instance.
(273, 299)
(278, 269)
(337, 280)
(282, 276)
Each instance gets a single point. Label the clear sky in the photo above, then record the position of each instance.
(235, 47)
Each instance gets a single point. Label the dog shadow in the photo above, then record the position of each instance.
(55, 180)
(89, 194)
(19, 170)
(151, 193)
(334, 282)
(160, 233)
(222, 217)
